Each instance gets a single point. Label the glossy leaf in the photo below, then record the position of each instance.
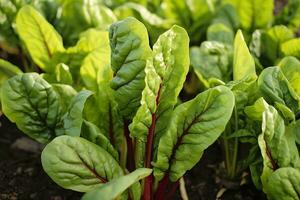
(39, 37)
(114, 189)
(277, 144)
(275, 88)
(77, 164)
(194, 126)
(284, 183)
(32, 103)
(129, 51)
(290, 67)
(165, 75)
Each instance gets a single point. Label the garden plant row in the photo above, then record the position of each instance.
(126, 102)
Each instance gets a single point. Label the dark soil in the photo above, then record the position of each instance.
(21, 173)
(22, 176)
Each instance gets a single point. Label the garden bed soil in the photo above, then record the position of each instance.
(22, 176)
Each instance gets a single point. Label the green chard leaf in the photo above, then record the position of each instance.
(77, 16)
(253, 14)
(129, 52)
(73, 119)
(194, 126)
(116, 187)
(39, 37)
(271, 41)
(275, 87)
(7, 70)
(291, 47)
(165, 75)
(277, 144)
(77, 164)
(290, 67)
(93, 134)
(33, 104)
(65, 93)
(102, 108)
(256, 110)
(61, 74)
(153, 22)
(243, 62)
(212, 61)
(284, 183)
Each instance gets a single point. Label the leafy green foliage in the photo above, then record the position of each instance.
(32, 103)
(40, 38)
(113, 91)
(130, 51)
(195, 125)
(77, 164)
(115, 188)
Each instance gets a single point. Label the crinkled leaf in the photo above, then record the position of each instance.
(276, 88)
(39, 37)
(114, 189)
(73, 119)
(212, 60)
(32, 103)
(284, 184)
(165, 75)
(277, 144)
(290, 67)
(243, 62)
(77, 164)
(129, 51)
(194, 126)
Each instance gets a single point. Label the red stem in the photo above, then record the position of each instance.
(148, 195)
(149, 148)
(162, 187)
(172, 191)
(130, 151)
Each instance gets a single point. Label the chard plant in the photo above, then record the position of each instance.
(124, 136)
(277, 112)
(218, 63)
